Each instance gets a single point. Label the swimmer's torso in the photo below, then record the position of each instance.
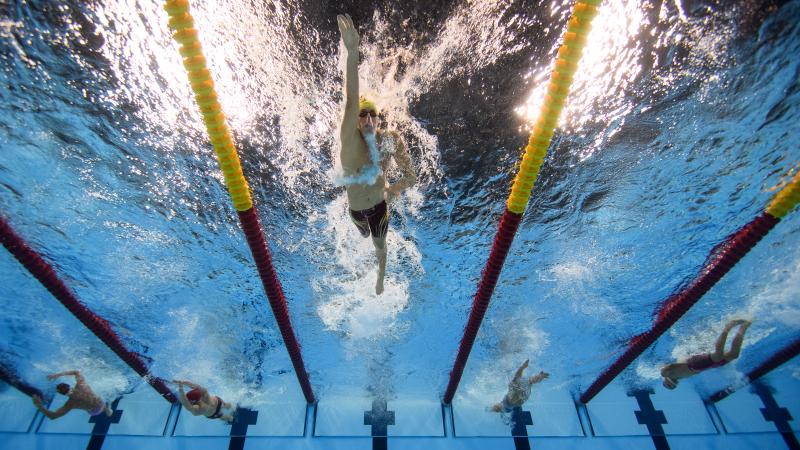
(364, 196)
(82, 397)
(518, 392)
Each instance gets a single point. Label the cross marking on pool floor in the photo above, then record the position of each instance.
(521, 419)
(101, 424)
(776, 414)
(651, 417)
(379, 418)
(241, 420)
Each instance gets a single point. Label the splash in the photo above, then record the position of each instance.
(607, 71)
(630, 50)
(106, 379)
(577, 280)
(369, 174)
(769, 305)
(347, 302)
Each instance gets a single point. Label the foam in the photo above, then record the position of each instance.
(347, 302)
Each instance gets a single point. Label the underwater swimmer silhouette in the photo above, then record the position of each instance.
(672, 373)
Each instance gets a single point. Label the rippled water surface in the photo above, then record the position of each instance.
(682, 120)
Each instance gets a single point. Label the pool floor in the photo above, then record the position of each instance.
(758, 416)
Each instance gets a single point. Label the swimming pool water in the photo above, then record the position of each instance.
(682, 119)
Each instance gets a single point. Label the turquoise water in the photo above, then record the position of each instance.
(682, 120)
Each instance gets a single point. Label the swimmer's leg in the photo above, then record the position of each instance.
(379, 230)
(736, 344)
(380, 252)
(719, 346)
(360, 223)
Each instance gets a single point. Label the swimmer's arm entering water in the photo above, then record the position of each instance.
(403, 160)
(78, 377)
(52, 415)
(349, 131)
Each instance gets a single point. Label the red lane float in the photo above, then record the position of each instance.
(480, 303)
(277, 301)
(775, 361)
(13, 380)
(566, 64)
(726, 256)
(43, 272)
(219, 134)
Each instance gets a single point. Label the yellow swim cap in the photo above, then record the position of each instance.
(365, 103)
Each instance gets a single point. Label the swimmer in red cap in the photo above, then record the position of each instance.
(199, 402)
(365, 156)
(672, 373)
(80, 397)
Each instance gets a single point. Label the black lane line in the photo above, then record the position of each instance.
(519, 431)
(651, 417)
(380, 418)
(241, 420)
(101, 424)
(776, 414)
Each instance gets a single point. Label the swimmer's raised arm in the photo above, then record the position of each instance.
(350, 38)
(719, 345)
(193, 385)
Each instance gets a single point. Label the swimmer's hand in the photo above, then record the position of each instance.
(349, 33)
(391, 192)
(542, 375)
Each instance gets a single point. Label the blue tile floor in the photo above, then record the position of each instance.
(758, 416)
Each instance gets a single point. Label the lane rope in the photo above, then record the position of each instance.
(206, 97)
(565, 66)
(219, 134)
(723, 258)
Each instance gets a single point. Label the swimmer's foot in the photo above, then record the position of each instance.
(379, 286)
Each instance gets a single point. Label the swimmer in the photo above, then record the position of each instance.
(698, 363)
(519, 390)
(365, 154)
(80, 397)
(199, 402)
